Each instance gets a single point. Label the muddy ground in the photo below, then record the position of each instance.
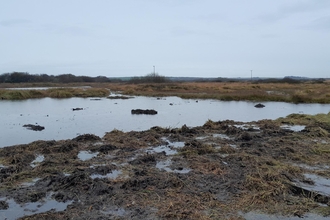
(216, 171)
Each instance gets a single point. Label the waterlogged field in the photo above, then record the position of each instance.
(298, 92)
(304, 92)
(197, 158)
(97, 116)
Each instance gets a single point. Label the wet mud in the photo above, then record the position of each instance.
(215, 171)
(34, 127)
(143, 111)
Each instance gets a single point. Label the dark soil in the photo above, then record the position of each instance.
(34, 127)
(144, 111)
(223, 168)
(120, 97)
(77, 109)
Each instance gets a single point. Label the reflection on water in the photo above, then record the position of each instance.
(104, 115)
(38, 160)
(86, 155)
(261, 216)
(16, 211)
(112, 175)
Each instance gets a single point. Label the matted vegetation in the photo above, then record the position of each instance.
(302, 92)
(7, 94)
(254, 167)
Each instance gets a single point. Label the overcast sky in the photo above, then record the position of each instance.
(209, 38)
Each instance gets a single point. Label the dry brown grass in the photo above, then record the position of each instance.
(297, 93)
(304, 92)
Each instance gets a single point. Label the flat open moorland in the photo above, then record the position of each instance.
(219, 170)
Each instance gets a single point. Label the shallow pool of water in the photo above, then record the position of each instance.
(104, 115)
(86, 155)
(16, 211)
(321, 184)
(37, 160)
(261, 216)
(112, 175)
(165, 165)
(295, 128)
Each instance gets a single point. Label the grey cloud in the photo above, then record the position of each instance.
(74, 30)
(184, 32)
(322, 23)
(14, 22)
(269, 36)
(285, 11)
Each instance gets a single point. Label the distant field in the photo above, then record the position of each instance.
(303, 92)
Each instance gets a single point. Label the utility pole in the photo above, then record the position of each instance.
(251, 75)
(154, 71)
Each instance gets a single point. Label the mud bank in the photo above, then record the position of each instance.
(215, 171)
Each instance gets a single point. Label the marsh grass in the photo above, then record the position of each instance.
(304, 119)
(53, 93)
(307, 92)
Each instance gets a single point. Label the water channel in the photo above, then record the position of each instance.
(103, 115)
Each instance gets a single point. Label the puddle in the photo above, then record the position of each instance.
(120, 212)
(164, 165)
(86, 155)
(233, 146)
(31, 183)
(247, 127)
(260, 216)
(162, 148)
(222, 136)
(175, 144)
(113, 175)
(313, 168)
(295, 128)
(321, 184)
(37, 161)
(16, 211)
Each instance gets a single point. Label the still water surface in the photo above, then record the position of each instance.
(100, 116)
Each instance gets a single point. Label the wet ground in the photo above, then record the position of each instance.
(221, 170)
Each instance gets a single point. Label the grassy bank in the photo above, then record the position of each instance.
(237, 91)
(6, 94)
(303, 92)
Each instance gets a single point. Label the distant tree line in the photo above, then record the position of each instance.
(149, 78)
(23, 77)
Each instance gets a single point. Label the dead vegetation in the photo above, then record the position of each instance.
(302, 92)
(222, 169)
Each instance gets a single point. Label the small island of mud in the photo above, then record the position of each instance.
(220, 170)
